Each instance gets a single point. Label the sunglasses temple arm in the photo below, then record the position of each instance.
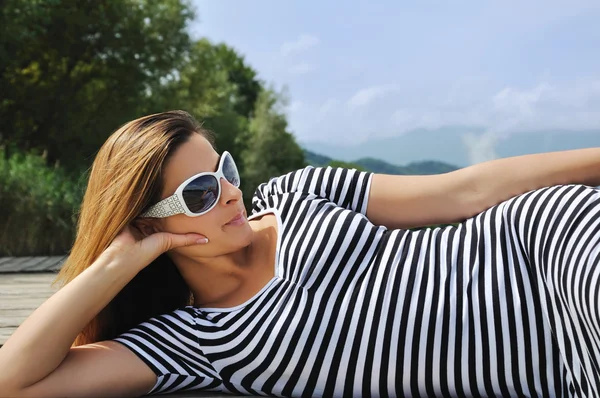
(165, 208)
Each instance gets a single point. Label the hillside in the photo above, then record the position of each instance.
(460, 146)
(379, 166)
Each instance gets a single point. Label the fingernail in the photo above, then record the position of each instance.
(202, 240)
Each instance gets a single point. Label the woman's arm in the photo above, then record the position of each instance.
(105, 369)
(414, 201)
(42, 342)
(38, 357)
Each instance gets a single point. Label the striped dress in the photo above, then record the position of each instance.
(506, 303)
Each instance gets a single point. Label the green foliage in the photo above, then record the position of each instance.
(217, 87)
(71, 72)
(38, 205)
(415, 168)
(430, 167)
(271, 149)
(316, 160)
(347, 165)
(242, 77)
(380, 166)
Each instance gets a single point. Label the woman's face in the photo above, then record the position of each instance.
(196, 156)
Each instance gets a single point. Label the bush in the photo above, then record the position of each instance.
(38, 206)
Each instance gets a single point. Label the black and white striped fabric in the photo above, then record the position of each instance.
(505, 304)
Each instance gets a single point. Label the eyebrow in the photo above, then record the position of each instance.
(217, 165)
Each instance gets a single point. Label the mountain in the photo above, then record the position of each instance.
(379, 166)
(460, 146)
(315, 159)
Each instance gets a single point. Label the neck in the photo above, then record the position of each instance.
(214, 279)
(230, 279)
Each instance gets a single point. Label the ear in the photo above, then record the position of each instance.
(147, 226)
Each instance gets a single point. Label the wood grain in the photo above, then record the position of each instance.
(22, 293)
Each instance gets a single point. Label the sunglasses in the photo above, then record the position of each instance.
(198, 194)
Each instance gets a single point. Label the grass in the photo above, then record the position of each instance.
(38, 206)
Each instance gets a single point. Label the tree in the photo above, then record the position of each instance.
(243, 77)
(73, 71)
(271, 149)
(346, 165)
(217, 87)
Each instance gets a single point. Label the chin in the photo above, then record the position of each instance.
(239, 236)
(245, 236)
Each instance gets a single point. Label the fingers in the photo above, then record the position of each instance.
(166, 241)
(131, 246)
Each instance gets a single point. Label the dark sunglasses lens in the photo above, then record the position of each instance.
(230, 171)
(201, 193)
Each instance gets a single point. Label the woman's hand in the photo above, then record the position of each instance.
(31, 354)
(131, 247)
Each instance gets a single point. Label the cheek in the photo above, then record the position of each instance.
(210, 225)
(182, 224)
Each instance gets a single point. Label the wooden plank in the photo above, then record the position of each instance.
(22, 293)
(4, 260)
(31, 264)
(46, 264)
(57, 265)
(15, 264)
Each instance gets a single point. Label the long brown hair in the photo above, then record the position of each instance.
(125, 179)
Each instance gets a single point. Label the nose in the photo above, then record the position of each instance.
(231, 193)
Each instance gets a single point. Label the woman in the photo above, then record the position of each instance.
(323, 291)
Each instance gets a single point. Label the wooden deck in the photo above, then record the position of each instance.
(25, 283)
(20, 295)
(30, 264)
(24, 286)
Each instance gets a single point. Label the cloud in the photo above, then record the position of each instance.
(368, 95)
(475, 105)
(547, 106)
(295, 106)
(414, 118)
(406, 119)
(302, 43)
(510, 109)
(302, 69)
(521, 102)
(481, 147)
(328, 106)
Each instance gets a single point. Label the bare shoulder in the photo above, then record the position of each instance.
(102, 369)
(266, 220)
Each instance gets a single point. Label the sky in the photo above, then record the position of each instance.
(359, 70)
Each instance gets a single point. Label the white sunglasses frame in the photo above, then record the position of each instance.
(175, 204)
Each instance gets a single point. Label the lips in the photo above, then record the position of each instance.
(238, 219)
